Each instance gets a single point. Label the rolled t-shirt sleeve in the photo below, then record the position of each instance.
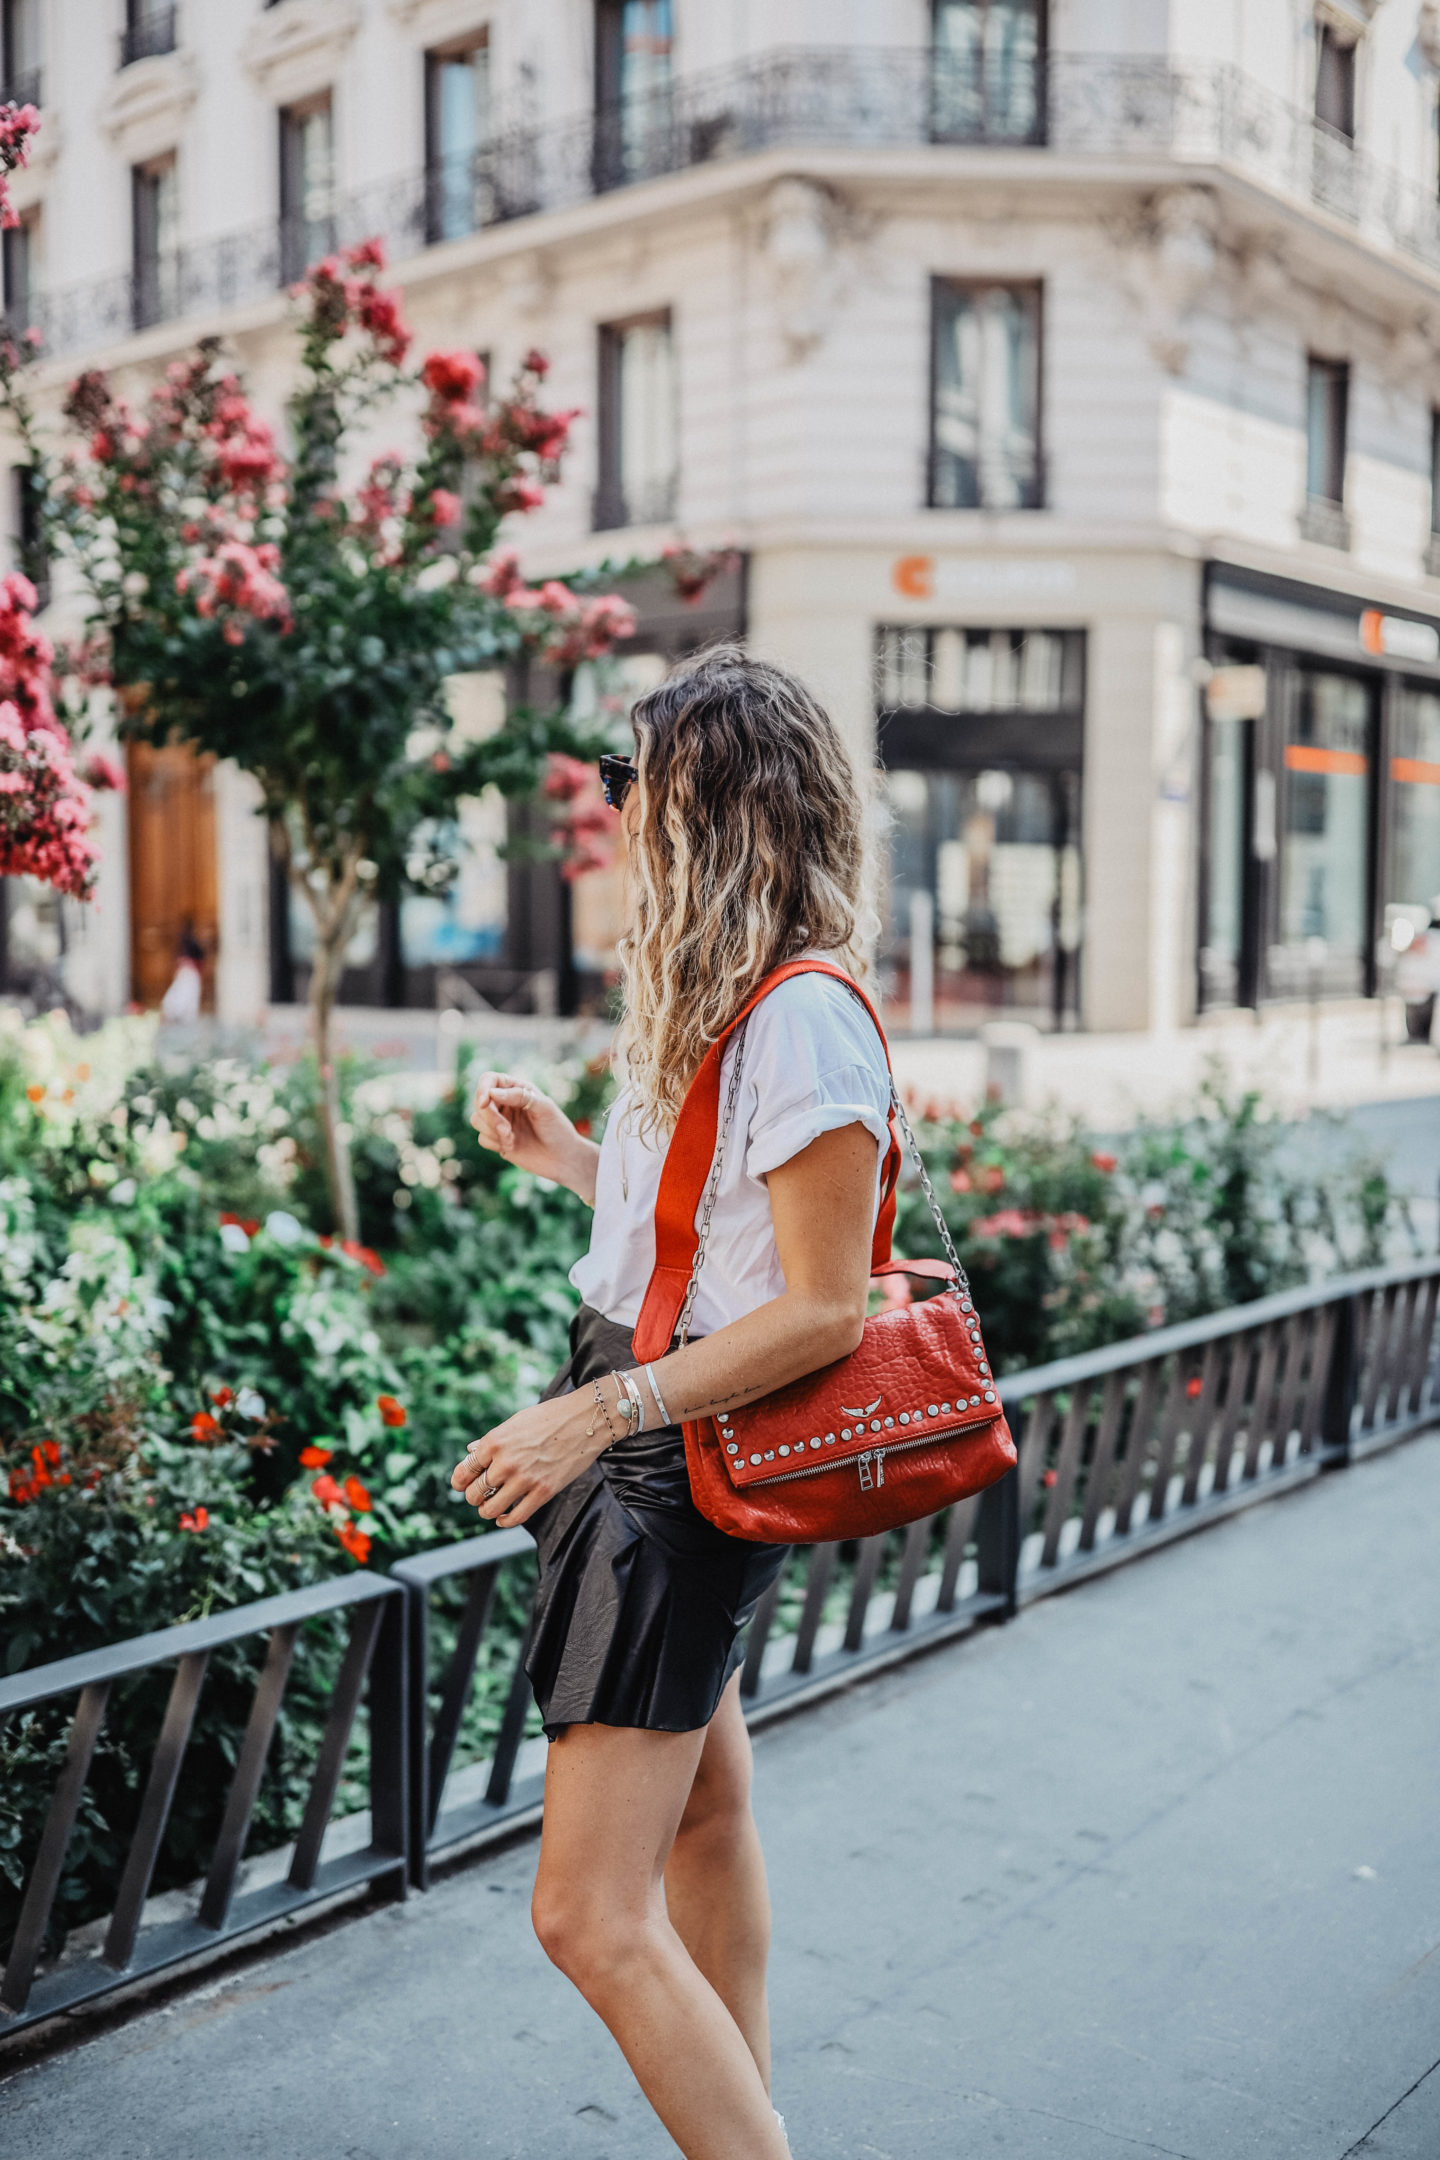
(817, 1065)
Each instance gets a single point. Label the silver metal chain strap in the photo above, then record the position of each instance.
(713, 1187)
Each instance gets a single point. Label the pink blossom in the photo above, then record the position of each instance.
(105, 773)
(445, 507)
(454, 376)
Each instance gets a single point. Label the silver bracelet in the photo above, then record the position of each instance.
(633, 1406)
(659, 1398)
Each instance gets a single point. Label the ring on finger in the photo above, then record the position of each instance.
(490, 1491)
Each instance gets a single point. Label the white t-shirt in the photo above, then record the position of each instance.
(813, 1063)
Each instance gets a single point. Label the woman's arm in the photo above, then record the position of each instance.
(823, 1204)
(527, 1128)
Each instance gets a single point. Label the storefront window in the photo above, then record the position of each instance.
(1415, 775)
(1324, 867)
(982, 908)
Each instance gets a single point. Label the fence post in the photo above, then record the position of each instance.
(1342, 1384)
(390, 1739)
(997, 1539)
(417, 1743)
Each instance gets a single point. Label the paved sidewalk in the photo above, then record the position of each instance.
(1154, 1870)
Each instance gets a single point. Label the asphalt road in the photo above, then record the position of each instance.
(1154, 1870)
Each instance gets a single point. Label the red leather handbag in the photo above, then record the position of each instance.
(909, 1422)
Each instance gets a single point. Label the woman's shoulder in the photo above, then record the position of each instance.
(813, 1021)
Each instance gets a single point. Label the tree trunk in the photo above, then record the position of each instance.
(324, 983)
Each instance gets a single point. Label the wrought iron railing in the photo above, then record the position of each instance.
(1076, 106)
(22, 89)
(1121, 1450)
(375, 1652)
(1128, 1447)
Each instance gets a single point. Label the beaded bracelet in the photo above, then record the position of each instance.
(603, 1410)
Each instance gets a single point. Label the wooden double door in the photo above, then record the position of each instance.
(174, 886)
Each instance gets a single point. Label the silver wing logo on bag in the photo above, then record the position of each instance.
(846, 1410)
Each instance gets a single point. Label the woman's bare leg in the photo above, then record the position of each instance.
(715, 1887)
(614, 1798)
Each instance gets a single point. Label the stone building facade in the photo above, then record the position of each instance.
(1066, 376)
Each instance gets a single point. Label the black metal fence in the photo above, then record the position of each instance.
(1120, 1450)
(1073, 106)
(375, 1652)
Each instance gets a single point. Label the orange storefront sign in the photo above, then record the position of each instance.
(1420, 772)
(1303, 757)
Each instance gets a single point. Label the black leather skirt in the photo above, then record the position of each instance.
(641, 1600)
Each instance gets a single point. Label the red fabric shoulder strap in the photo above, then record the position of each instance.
(687, 1167)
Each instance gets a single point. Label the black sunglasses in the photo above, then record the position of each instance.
(617, 777)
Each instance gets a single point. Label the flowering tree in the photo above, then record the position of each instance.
(268, 606)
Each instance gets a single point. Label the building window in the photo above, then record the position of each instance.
(155, 209)
(985, 397)
(638, 435)
(634, 65)
(27, 527)
(307, 186)
(460, 192)
(20, 24)
(20, 254)
(988, 70)
(1335, 81)
(1327, 403)
(149, 30)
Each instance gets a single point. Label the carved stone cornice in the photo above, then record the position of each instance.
(294, 50)
(145, 108)
(434, 22)
(1351, 18)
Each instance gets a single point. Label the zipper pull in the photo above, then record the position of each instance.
(866, 1480)
(879, 1466)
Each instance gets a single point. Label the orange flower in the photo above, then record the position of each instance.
(1104, 1162)
(223, 1397)
(327, 1492)
(35, 1093)
(391, 1412)
(50, 1449)
(356, 1494)
(204, 1427)
(200, 1520)
(356, 1542)
(314, 1458)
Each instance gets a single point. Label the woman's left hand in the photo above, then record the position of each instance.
(523, 1463)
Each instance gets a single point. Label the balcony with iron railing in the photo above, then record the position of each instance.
(1110, 110)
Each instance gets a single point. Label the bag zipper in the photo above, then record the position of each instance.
(869, 1479)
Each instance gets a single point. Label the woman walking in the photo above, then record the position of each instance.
(744, 835)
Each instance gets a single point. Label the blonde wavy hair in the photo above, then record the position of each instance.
(750, 850)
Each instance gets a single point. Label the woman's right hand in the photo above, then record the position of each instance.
(516, 1120)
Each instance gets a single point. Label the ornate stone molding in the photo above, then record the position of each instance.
(1170, 258)
(294, 50)
(145, 109)
(434, 21)
(805, 236)
(1351, 18)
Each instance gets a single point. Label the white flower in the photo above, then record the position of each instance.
(123, 1193)
(284, 1227)
(250, 1403)
(134, 584)
(233, 1238)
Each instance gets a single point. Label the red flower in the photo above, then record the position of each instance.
(583, 1127)
(536, 363)
(327, 1492)
(200, 1520)
(391, 1412)
(356, 1494)
(991, 1179)
(454, 376)
(364, 1254)
(314, 1458)
(355, 1541)
(223, 1397)
(960, 1181)
(1193, 1386)
(203, 1426)
(1049, 1478)
(1104, 1162)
